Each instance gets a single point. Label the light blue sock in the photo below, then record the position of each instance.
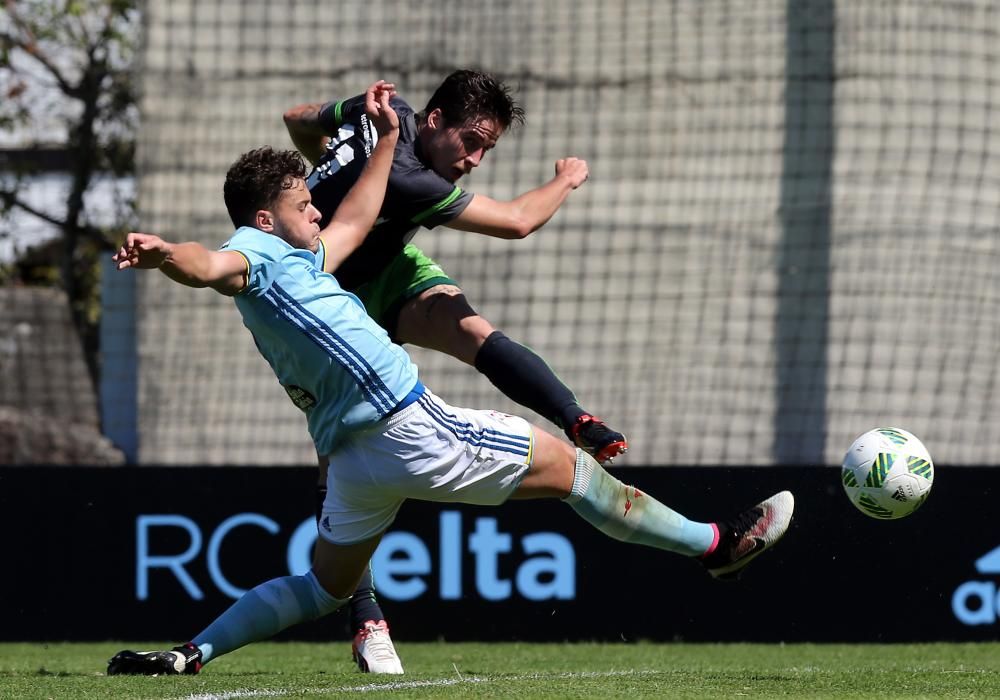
(263, 612)
(627, 514)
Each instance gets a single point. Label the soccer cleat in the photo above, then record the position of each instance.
(183, 659)
(595, 438)
(748, 535)
(373, 650)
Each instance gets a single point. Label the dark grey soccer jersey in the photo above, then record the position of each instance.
(416, 195)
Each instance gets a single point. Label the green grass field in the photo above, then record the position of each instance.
(526, 671)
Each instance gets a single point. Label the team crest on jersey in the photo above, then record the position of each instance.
(300, 397)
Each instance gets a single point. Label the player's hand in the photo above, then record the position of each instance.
(381, 115)
(574, 170)
(141, 250)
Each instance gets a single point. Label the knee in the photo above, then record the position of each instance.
(564, 471)
(442, 319)
(447, 307)
(477, 329)
(553, 467)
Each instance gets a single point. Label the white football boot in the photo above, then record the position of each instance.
(373, 650)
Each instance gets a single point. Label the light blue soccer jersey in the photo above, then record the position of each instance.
(335, 363)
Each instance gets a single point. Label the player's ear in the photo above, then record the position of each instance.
(264, 220)
(435, 119)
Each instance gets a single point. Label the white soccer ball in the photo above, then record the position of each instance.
(887, 473)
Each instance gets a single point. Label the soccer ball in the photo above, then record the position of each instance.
(887, 473)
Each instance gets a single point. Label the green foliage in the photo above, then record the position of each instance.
(442, 670)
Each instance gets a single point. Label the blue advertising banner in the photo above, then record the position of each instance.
(156, 553)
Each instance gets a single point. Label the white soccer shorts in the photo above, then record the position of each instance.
(429, 451)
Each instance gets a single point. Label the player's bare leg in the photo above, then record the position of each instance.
(371, 645)
(553, 467)
(372, 648)
(441, 318)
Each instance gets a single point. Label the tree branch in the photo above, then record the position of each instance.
(29, 45)
(11, 201)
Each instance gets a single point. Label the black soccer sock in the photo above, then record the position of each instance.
(524, 377)
(363, 605)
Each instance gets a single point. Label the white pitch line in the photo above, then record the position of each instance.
(367, 688)
(403, 685)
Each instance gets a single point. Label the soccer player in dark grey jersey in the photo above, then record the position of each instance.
(407, 292)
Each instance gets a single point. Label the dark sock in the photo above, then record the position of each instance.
(524, 377)
(363, 606)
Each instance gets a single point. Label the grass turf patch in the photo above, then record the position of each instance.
(446, 670)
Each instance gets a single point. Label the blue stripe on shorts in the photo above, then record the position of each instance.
(484, 437)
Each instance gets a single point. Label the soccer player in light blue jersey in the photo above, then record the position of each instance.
(385, 436)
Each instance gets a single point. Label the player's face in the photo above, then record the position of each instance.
(455, 150)
(296, 219)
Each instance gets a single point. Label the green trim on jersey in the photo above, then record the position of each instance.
(408, 274)
(338, 113)
(439, 206)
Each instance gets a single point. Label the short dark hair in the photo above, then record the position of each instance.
(466, 96)
(257, 179)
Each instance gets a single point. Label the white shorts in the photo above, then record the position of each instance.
(428, 451)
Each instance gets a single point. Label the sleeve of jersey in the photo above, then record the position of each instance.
(260, 259)
(432, 200)
(340, 112)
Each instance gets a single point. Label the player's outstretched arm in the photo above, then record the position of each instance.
(356, 214)
(526, 213)
(190, 263)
